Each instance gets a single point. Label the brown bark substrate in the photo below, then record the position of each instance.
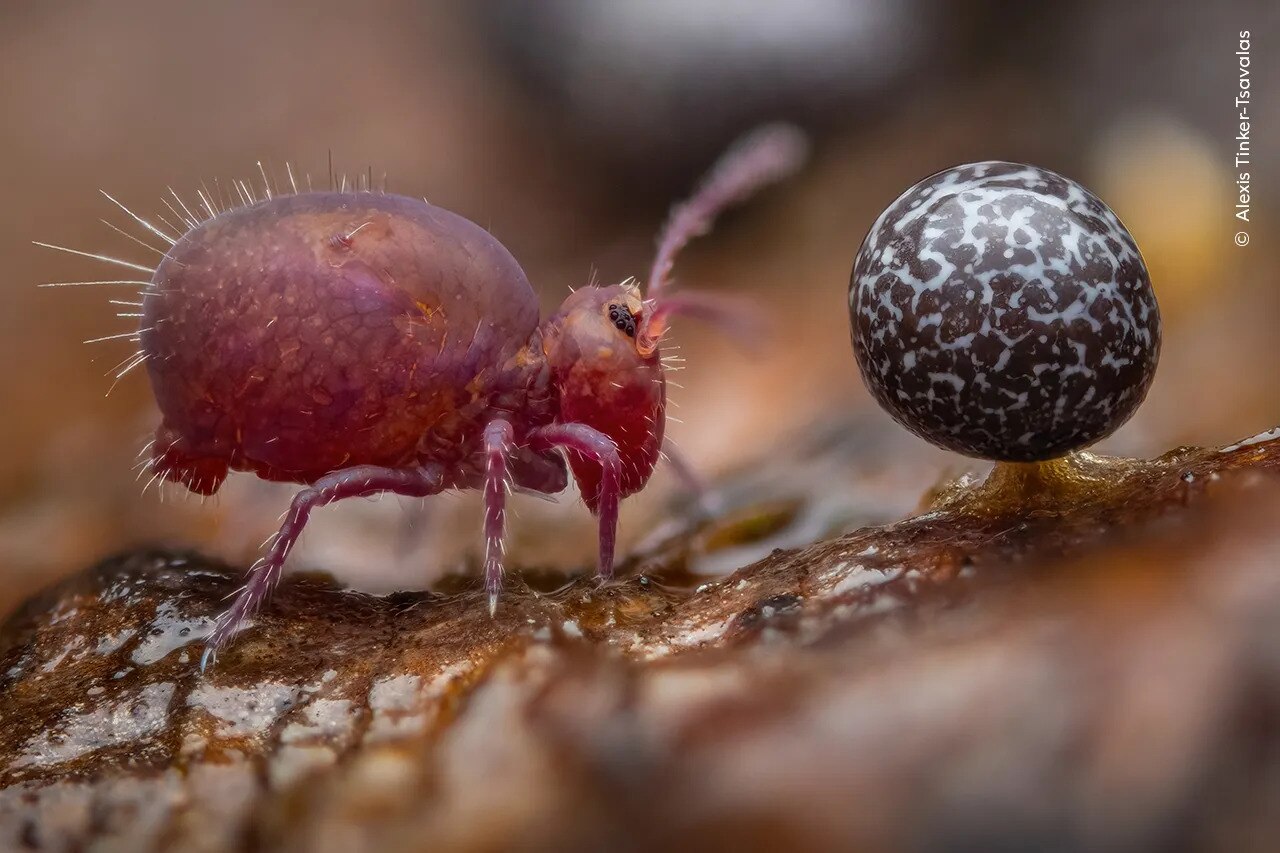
(1102, 674)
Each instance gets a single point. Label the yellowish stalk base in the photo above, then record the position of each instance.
(1056, 486)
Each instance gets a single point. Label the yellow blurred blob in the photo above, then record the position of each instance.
(1174, 191)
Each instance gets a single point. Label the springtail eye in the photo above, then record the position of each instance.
(622, 317)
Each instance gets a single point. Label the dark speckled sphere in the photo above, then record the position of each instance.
(1003, 311)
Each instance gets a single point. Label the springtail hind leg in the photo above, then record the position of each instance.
(359, 482)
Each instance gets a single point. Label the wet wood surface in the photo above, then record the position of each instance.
(1098, 673)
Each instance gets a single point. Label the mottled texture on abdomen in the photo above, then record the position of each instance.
(313, 332)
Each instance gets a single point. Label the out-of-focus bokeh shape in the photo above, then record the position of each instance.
(694, 73)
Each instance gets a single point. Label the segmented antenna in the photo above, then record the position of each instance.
(764, 155)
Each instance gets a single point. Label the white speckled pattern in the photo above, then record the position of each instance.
(1003, 311)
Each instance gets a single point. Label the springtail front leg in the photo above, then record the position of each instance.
(598, 447)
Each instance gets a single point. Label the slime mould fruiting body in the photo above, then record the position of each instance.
(1004, 312)
(361, 343)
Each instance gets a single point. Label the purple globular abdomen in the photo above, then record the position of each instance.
(314, 332)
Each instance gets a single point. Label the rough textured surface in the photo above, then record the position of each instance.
(1100, 675)
(311, 332)
(1004, 312)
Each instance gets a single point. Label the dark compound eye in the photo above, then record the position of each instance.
(622, 317)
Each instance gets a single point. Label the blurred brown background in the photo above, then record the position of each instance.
(568, 128)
